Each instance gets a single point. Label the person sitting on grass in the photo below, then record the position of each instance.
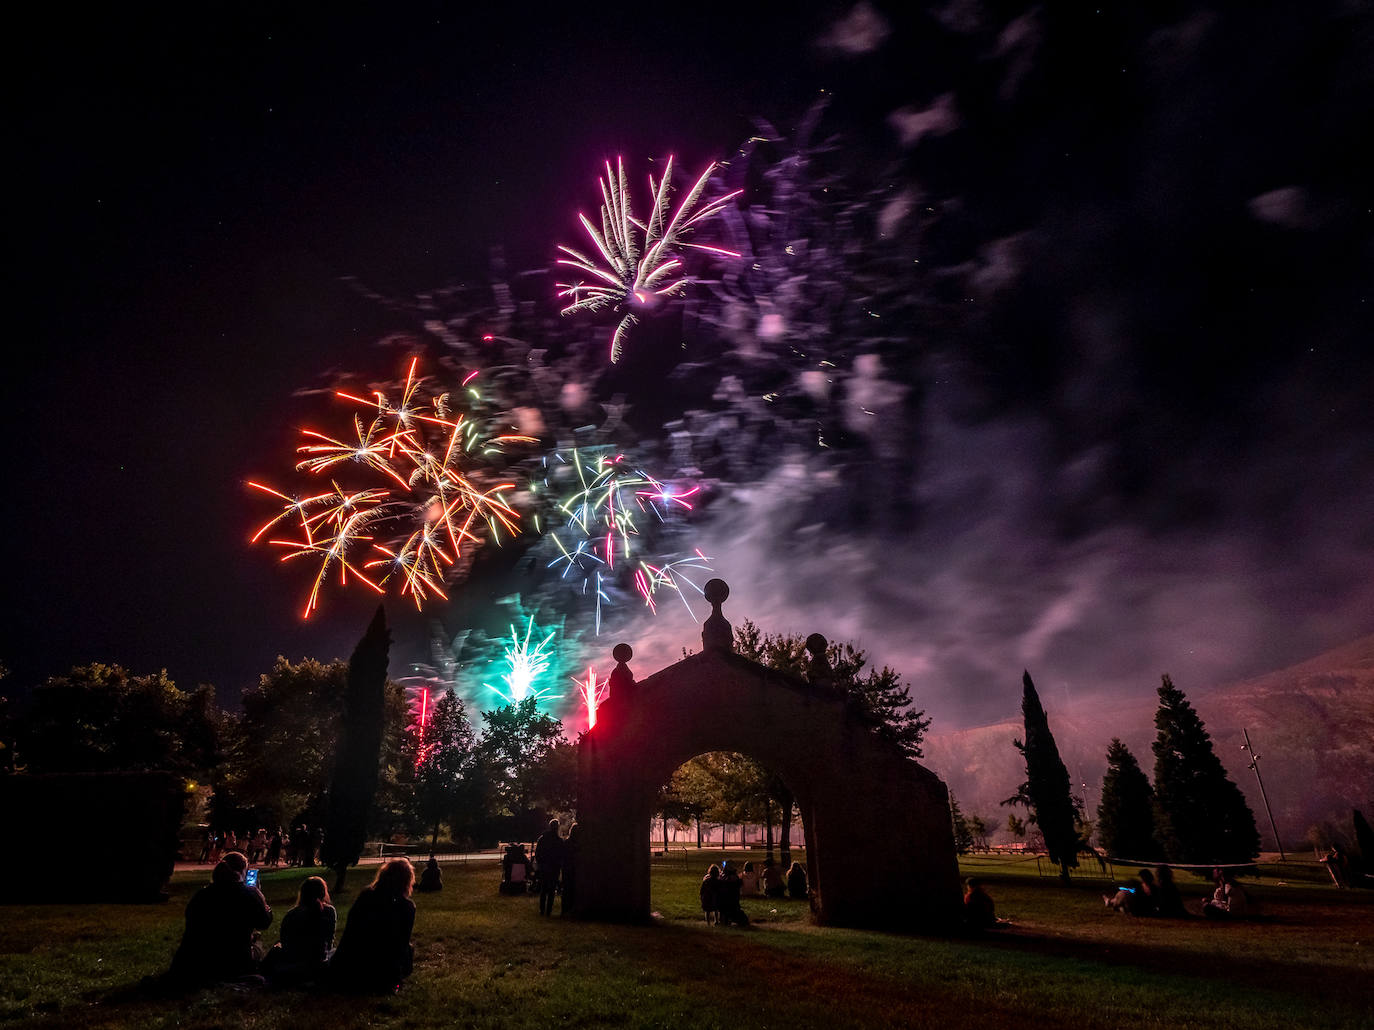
(375, 954)
(730, 911)
(223, 922)
(1168, 900)
(307, 937)
(774, 886)
(710, 894)
(1228, 901)
(979, 911)
(749, 880)
(796, 882)
(1138, 899)
(432, 879)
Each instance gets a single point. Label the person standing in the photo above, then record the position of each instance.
(570, 846)
(548, 863)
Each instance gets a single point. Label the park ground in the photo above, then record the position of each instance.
(484, 960)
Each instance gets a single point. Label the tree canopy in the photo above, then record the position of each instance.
(878, 696)
(1203, 816)
(99, 718)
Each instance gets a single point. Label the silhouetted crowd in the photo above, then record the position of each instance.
(299, 848)
(222, 941)
(724, 885)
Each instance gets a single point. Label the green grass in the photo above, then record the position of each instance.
(488, 961)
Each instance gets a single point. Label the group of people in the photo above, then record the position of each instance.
(723, 886)
(551, 870)
(298, 848)
(222, 941)
(1154, 893)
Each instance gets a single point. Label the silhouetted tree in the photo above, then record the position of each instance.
(1125, 816)
(1203, 816)
(356, 762)
(445, 783)
(979, 828)
(98, 718)
(878, 697)
(1046, 792)
(963, 833)
(515, 749)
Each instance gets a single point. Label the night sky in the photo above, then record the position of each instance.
(1134, 430)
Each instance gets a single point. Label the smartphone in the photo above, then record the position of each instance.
(251, 878)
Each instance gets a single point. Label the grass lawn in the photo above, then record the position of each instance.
(483, 960)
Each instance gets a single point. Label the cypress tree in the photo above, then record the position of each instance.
(1046, 790)
(1125, 817)
(356, 762)
(1202, 815)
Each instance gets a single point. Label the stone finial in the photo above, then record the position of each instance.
(818, 668)
(621, 679)
(716, 632)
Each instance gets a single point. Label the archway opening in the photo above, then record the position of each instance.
(725, 813)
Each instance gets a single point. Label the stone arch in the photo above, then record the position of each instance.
(880, 848)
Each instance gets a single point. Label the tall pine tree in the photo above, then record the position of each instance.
(1046, 790)
(1203, 816)
(358, 757)
(1126, 816)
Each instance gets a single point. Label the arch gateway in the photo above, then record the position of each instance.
(879, 844)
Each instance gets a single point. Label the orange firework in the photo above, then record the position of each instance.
(435, 495)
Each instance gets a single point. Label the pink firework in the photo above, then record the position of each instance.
(640, 260)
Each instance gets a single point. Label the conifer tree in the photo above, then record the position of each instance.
(963, 834)
(1046, 791)
(1203, 816)
(358, 757)
(1125, 816)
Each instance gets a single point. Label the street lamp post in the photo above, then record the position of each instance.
(1254, 764)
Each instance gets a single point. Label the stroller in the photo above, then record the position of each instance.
(516, 870)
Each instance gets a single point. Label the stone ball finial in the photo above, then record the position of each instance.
(621, 681)
(716, 632)
(716, 592)
(818, 668)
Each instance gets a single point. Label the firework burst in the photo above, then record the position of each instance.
(638, 262)
(526, 662)
(592, 692)
(434, 498)
(601, 540)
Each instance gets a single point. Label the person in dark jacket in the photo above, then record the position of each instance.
(728, 895)
(570, 845)
(548, 863)
(223, 920)
(375, 954)
(307, 937)
(796, 881)
(1168, 900)
(432, 878)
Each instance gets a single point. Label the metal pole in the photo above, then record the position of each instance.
(1254, 764)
